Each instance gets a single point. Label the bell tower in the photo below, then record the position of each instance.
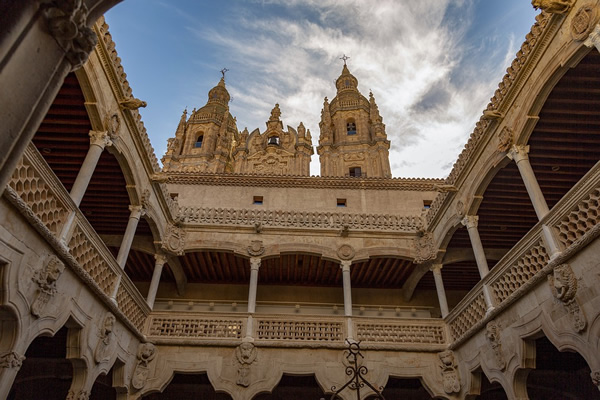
(203, 142)
(353, 141)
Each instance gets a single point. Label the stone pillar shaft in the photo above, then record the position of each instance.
(439, 286)
(471, 223)
(347, 288)
(254, 267)
(134, 219)
(520, 155)
(158, 267)
(98, 141)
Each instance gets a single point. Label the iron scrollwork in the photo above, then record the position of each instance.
(357, 373)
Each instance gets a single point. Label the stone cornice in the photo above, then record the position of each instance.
(308, 182)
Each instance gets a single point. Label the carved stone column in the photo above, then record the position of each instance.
(594, 38)
(134, 219)
(439, 286)
(471, 221)
(345, 266)
(98, 141)
(161, 259)
(254, 267)
(520, 155)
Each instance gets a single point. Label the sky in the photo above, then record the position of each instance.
(432, 65)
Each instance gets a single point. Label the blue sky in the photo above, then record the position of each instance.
(432, 65)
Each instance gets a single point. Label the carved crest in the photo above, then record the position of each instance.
(346, 252)
(103, 348)
(174, 241)
(492, 334)
(563, 285)
(460, 209)
(112, 123)
(11, 360)
(146, 353)
(505, 139)
(583, 22)
(46, 280)
(450, 377)
(245, 354)
(424, 248)
(256, 248)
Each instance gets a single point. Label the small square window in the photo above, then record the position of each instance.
(257, 200)
(341, 202)
(426, 204)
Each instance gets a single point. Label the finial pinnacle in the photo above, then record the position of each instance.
(223, 72)
(344, 57)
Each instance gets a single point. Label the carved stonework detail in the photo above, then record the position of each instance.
(492, 334)
(245, 353)
(11, 360)
(346, 252)
(256, 248)
(46, 280)
(258, 227)
(103, 348)
(553, 6)
(67, 21)
(596, 378)
(145, 200)
(174, 241)
(460, 209)
(424, 248)
(583, 22)
(563, 285)
(100, 138)
(132, 104)
(345, 231)
(505, 139)
(81, 395)
(146, 353)
(112, 124)
(450, 377)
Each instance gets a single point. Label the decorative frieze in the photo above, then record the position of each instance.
(11, 360)
(146, 353)
(46, 281)
(299, 219)
(563, 285)
(245, 354)
(492, 334)
(67, 22)
(304, 330)
(450, 377)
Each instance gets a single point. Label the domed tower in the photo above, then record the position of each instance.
(275, 151)
(203, 142)
(353, 140)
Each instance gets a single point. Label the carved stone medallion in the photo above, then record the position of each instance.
(146, 353)
(346, 252)
(450, 378)
(174, 241)
(245, 354)
(256, 248)
(46, 280)
(505, 139)
(424, 248)
(583, 22)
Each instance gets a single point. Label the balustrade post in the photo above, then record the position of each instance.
(471, 221)
(161, 259)
(134, 219)
(439, 286)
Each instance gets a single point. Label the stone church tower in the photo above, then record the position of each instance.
(275, 152)
(353, 140)
(203, 142)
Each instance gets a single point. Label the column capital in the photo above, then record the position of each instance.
(470, 221)
(136, 211)
(160, 258)
(518, 152)
(255, 263)
(345, 265)
(436, 268)
(100, 138)
(594, 38)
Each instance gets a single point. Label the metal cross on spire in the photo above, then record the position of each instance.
(223, 72)
(344, 57)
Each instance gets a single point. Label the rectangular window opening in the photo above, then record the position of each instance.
(427, 204)
(341, 202)
(257, 200)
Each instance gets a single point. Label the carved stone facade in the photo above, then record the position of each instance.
(353, 141)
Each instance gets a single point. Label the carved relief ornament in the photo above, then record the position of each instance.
(563, 286)
(553, 6)
(583, 22)
(505, 139)
(67, 23)
(11, 360)
(346, 252)
(81, 395)
(492, 334)
(46, 281)
(245, 354)
(174, 240)
(103, 348)
(256, 248)
(424, 248)
(146, 353)
(450, 377)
